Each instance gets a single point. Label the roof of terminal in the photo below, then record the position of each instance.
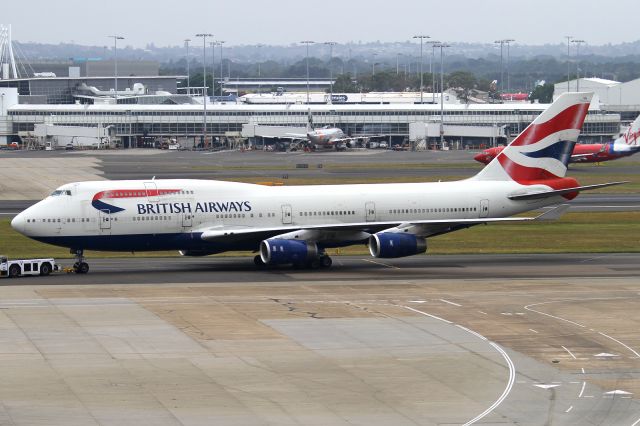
(283, 108)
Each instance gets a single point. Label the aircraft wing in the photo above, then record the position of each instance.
(292, 136)
(424, 228)
(578, 157)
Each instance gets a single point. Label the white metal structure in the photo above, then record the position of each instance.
(294, 225)
(7, 58)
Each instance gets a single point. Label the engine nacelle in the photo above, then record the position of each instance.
(390, 244)
(280, 251)
(195, 253)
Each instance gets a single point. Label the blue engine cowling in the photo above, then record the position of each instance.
(280, 252)
(390, 244)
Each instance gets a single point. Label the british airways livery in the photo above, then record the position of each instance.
(627, 144)
(295, 225)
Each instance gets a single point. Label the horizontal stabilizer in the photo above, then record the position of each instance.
(554, 213)
(558, 192)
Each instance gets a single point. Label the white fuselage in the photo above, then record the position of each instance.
(171, 214)
(325, 136)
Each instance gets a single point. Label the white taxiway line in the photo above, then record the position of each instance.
(450, 302)
(380, 263)
(569, 409)
(512, 368)
(636, 422)
(584, 384)
(618, 341)
(426, 314)
(569, 352)
(529, 308)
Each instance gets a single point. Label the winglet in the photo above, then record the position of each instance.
(554, 214)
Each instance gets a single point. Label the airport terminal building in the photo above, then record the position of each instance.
(131, 123)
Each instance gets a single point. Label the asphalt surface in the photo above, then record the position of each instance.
(426, 340)
(345, 269)
(143, 164)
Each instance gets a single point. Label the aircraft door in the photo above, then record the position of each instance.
(152, 191)
(286, 214)
(105, 221)
(370, 209)
(484, 208)
(187, 220)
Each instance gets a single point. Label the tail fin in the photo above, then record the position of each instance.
(542, 151)
(631, 137)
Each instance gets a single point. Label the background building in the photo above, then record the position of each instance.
(614, 96)
(133, 124)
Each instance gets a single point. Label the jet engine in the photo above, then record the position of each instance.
(281, 251)
(391, 244)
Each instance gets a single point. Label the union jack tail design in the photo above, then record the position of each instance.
(540, 154)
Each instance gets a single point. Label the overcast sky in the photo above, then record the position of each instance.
(288, 21)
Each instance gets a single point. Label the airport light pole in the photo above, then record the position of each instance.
(578, 43)
(398, 63)
(259, 70)
(307, 43)
(442, 46)
(213, 69)
(569, 38)
(433, 44)
(331, 44)
(508, 42)
(220, 43)
(204, 84)
(421, 37)
(115, 64)
(186, 43)
(373, 68)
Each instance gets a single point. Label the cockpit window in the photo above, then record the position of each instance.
(59, 192)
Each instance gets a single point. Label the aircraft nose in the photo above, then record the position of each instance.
(18, 222)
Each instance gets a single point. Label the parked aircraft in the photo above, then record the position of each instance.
(627, 144)
(296, 224)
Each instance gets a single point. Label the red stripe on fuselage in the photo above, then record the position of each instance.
(133, 193)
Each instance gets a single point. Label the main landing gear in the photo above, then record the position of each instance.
(323, 261)
(80, 266)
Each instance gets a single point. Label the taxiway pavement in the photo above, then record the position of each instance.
(510, 340)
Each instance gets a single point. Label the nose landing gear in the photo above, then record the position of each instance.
(80, 266)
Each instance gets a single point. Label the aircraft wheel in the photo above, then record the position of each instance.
(83, 268)
(314, 264)
(325, 262)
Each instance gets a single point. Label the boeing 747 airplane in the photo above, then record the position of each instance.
(295, 225)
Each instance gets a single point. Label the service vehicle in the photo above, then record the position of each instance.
(18, 267)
